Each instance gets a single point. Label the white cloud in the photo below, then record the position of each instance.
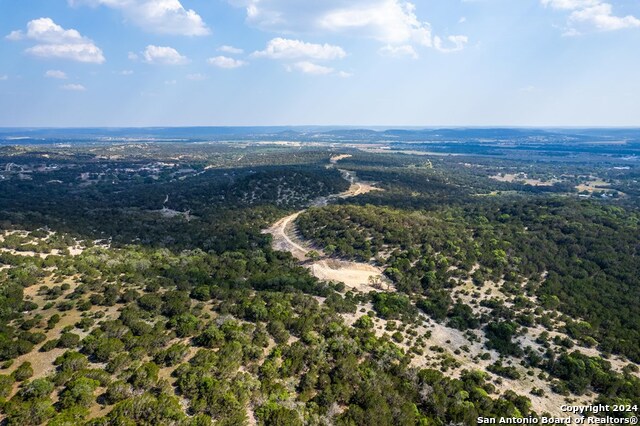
(310, 68)
(231, 50)
(15, 35)
(56, 74)
(125, 72)
(163, 55)
(196, 77)
(303, 55)
(569, 4)
(4, 77)
(282, 48)
(392, 22)
(226, 62)
(602, 18)
(76, 52)
(456, 43)
(170, 82)
(588, 15)
(74, 87)
(398, 51)
(156, 16)
(56, 42)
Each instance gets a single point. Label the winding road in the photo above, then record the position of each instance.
(355, 275)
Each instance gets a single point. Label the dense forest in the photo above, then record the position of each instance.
(137, 287)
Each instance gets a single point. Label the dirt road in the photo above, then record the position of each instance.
(284, 235)
(353, 274)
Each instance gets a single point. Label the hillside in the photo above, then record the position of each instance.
(140, 284)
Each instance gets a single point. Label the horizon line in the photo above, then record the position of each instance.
(336, 126)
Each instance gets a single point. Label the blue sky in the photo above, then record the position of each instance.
(325, 62)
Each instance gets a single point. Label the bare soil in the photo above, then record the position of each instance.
(357, 276)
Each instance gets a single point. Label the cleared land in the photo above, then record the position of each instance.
(357, 276)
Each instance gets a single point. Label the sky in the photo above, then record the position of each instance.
(394, 63)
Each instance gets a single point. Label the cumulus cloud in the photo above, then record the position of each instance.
(455, 43)
(310, 68)
(392, 22)
(57, 42)
(226, 62)
(282, 48)
(302, 56)
(231, 50)
(589, 15)
(569, 4)
(398, 51)
(60, 75)
(74, 87)
(156, 16)
(163, 55)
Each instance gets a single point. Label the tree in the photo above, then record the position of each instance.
(273, 414)
(145, 376)
(37, 389)
(23, 372)
(78, 392)
(375, 282)
(117, 391)
(364, 322)
(313, 255)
